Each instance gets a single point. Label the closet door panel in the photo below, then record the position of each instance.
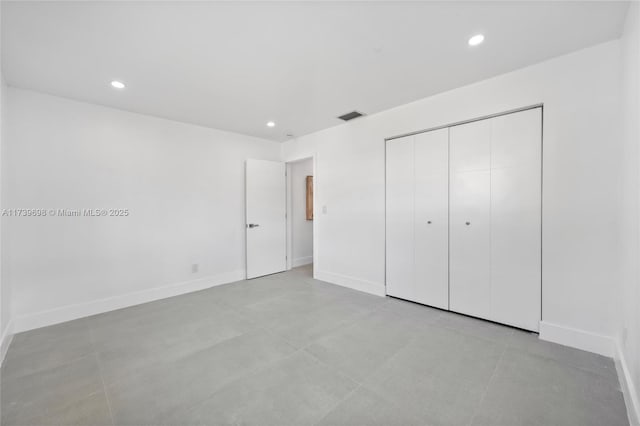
(516, 139)
(470, 279)
(431, 284)
(470, 186)
(470, 146)
(400, 211)
(516, 219)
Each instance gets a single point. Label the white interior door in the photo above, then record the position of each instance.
(431, 218)
(265, 211)
(470, 220)
(516, 157)
(400, 210)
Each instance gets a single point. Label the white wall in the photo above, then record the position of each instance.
(5, 289)
(301, 228)
(629, 329)
(581, 97)
(183, 186)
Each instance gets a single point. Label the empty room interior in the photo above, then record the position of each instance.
(320, 213)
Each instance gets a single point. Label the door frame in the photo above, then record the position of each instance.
(288, 165)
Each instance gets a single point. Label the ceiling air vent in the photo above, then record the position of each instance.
(350, 115)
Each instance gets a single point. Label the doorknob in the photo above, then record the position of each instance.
(252, 225)
(429, 222)
(467, 223)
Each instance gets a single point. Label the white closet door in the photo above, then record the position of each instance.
(431, 227)
(399, 210)
(470, 224)
(516, 218)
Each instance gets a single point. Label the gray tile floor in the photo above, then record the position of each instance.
(290, 350)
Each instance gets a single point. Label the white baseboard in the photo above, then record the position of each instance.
(580, 339)
(629, 388)
(351, 282)
(302, 261)
(5, 341)
(81, 310)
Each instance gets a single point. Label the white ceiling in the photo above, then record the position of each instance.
(237, 65)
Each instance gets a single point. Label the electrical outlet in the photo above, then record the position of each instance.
(194, 268)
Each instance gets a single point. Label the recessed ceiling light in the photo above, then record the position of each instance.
(476, 40)
(117, 84)
(271, 124)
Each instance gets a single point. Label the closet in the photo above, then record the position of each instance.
(463, 218)
(417, 218)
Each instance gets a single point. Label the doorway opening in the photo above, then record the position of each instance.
(300, 213)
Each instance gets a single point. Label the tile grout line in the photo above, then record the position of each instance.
(340, 371)
(272, 364)
(346, 324)
(352, 323)
(251, 372)
(565, 363)
(328, 366)
(331, 367)
(359, 383)
(334, 406)
(104, 386)
(486, 389)
(259, 327)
